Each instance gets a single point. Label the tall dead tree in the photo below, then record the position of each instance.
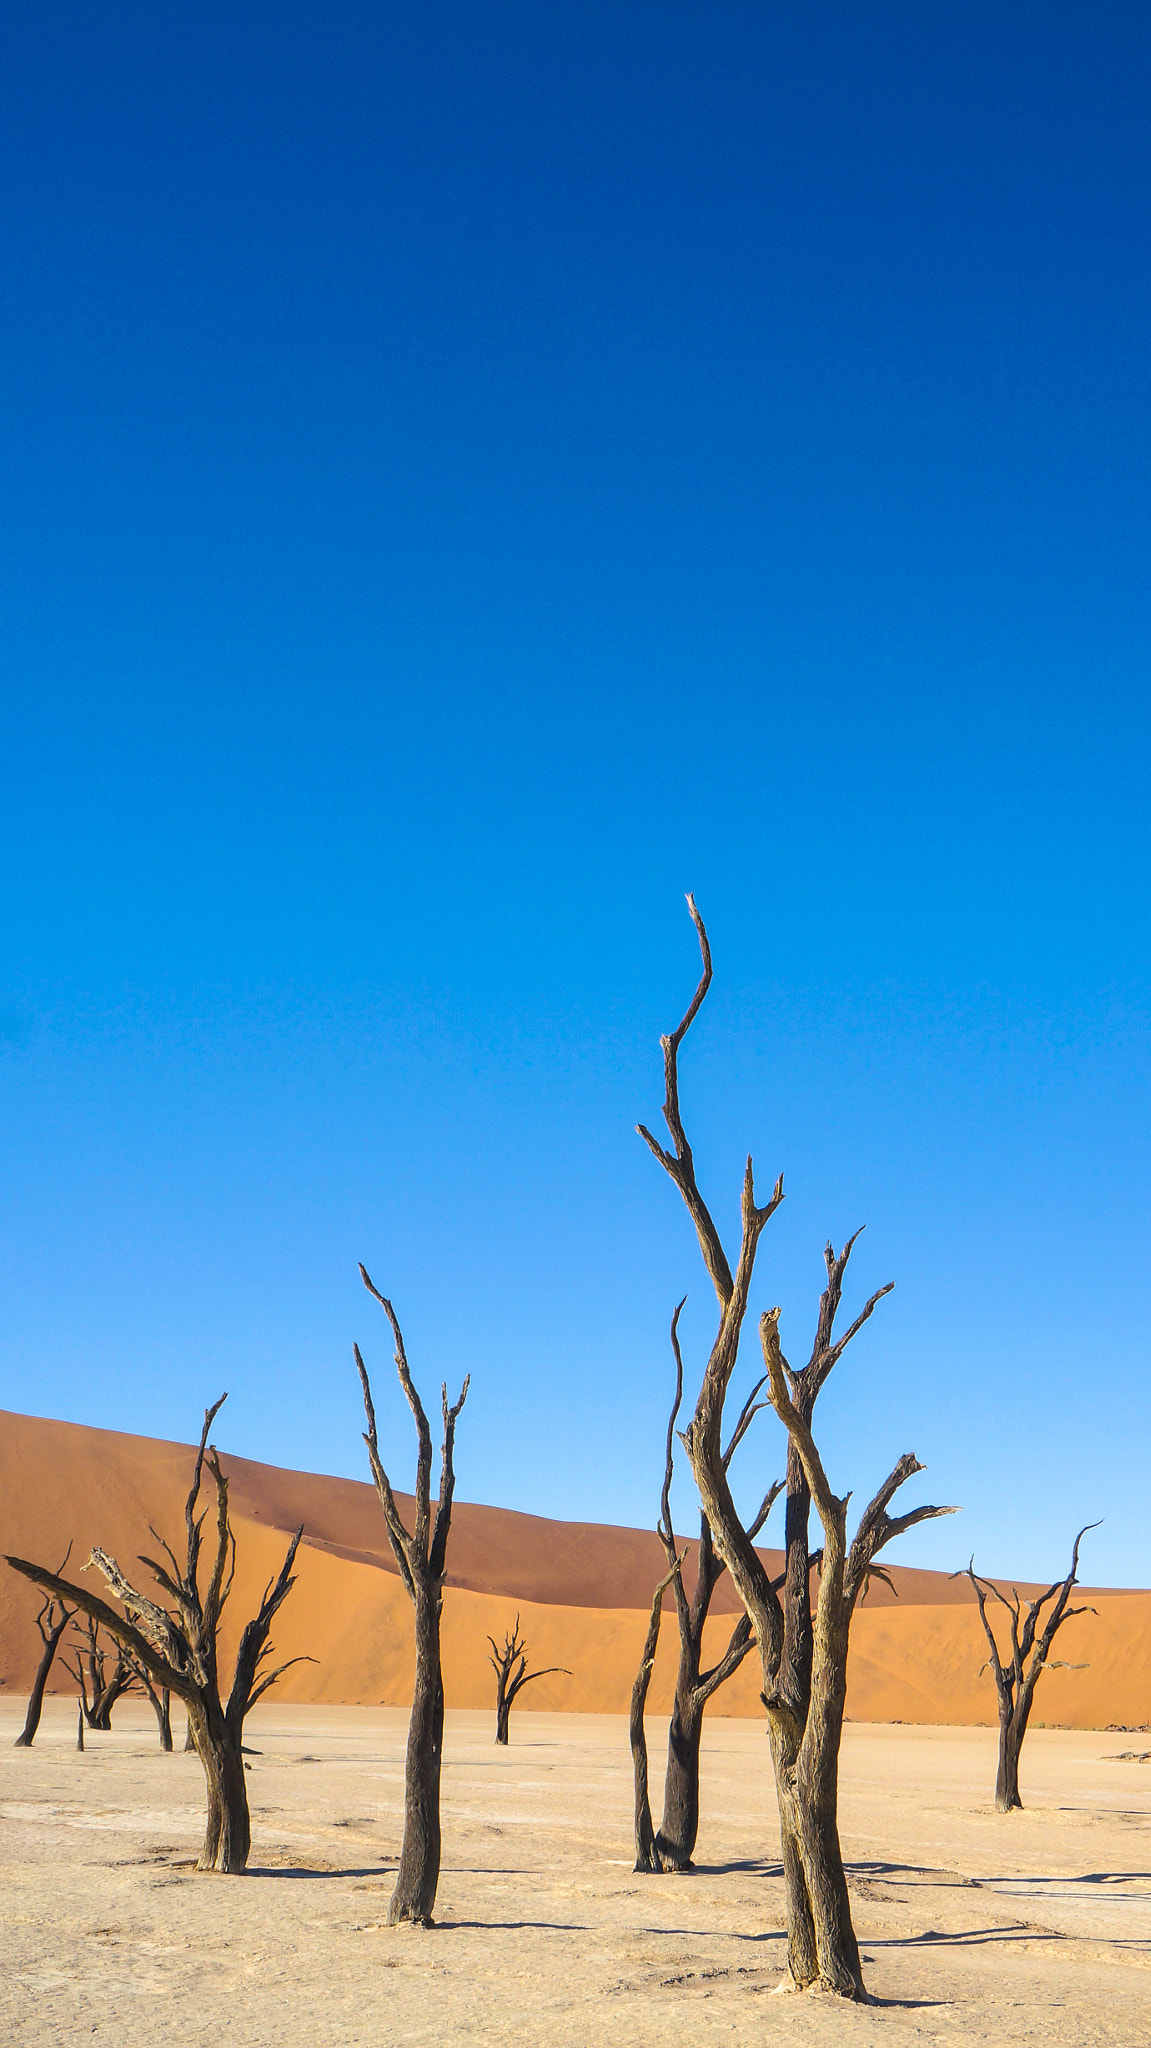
(51, 1621)
(511, 1677)
(421, 1559)
(803, 1659)
(672, 1848)
(1016, 1680)
(102, 1678)
(177, 1647)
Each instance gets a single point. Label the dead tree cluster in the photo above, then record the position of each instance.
(421, 1558)
(176, 1646)
(803, 1655)
(1015, 1677)
(510, 1665)
(102, 1675)
(169, 1648)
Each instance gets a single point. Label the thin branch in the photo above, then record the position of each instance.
(666, 1530)
(398, 1536)
(438, 1552)
(423, 1433)
(742, 1640)
(517, 1685)
(828, 1507)
(266, 1683)
(751, 1408)
(191, 1524)
(680, 1165)
(765, 1507)
(877, 1528)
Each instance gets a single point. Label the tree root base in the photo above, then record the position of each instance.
(818, 1988)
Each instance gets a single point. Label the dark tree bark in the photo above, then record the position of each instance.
(421, 1559)
(94, 1668)
(79, 1725)
(160, 1701)
(804, 1661)
(51, 1621)
(1015, 1681)
(177, 1648)
(645, 1856)
(511, 1677)
(672, 1848)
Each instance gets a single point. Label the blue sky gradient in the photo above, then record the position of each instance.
(470, 476)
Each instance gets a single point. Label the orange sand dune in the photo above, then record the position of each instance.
(582, 1591)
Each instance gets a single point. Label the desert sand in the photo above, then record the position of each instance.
(977, 1927)
(582, 1592)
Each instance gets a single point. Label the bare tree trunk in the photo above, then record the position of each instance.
(421, 1560)
(27, 1734)
(80, 1725)
(503, 1712)
(160, 1701)
(1007, 1798)
(674, 1845)
(228, 1831)
(419, 1872)
(679, 1827)
(645, 1850)
(51, 1621)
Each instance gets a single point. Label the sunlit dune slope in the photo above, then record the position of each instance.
(582, 1592)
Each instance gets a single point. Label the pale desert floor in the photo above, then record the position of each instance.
(976, 1928)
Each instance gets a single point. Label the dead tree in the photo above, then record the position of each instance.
(421, 1559)
(671, 1849)
(803, 1660)
(177, 1647)
(645, 1856)
(51, 1621)
(511, 1679)
(160, 1701)
(1015, 1681)
(108, 1678)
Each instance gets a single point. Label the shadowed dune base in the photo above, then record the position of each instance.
(582, 1591)
(1034, 1928)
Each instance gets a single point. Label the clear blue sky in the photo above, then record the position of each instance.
(470, 475)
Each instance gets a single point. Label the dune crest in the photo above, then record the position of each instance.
(582, 1591)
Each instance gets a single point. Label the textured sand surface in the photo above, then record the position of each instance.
(582, 1592)
(977, 1928)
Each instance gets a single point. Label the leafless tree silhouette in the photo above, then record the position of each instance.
(177, 1647)
(803, 1658)
(1016, 1680)
(512, 1676)
(421, 1559)
(51, 1621)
